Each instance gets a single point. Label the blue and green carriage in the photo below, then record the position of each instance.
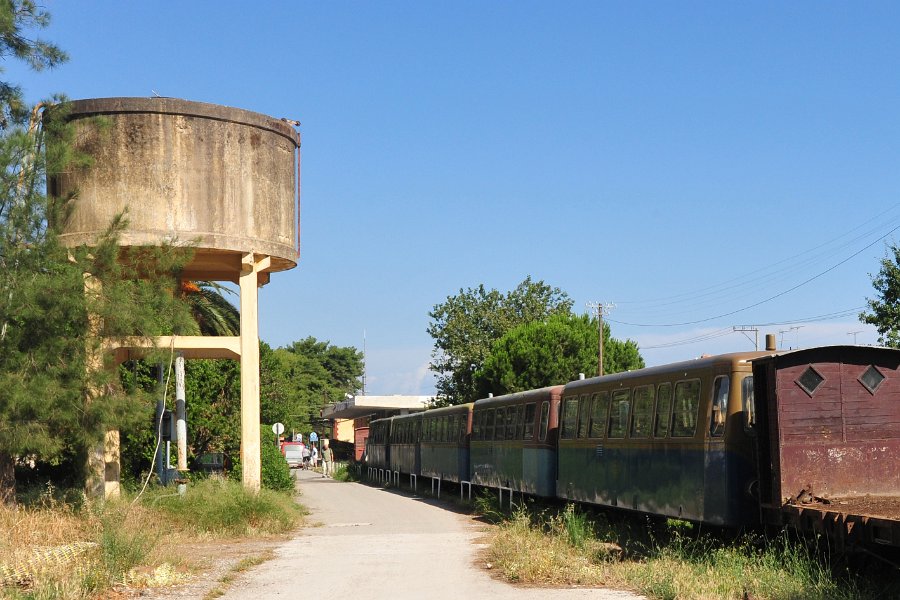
(513, 442)
(445, 443)
(675, 440)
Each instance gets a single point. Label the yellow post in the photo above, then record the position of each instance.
(251, 464)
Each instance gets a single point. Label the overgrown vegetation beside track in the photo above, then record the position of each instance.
(670, 560)
(75, 551)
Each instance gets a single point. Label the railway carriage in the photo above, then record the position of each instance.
(513, 441)
(675, 440)
(445, 443)
(808, 439)
(378, 444)
(829, 441)
(404, 444)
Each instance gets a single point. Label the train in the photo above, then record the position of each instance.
(806, 438)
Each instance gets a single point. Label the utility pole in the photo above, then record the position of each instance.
(854, 333)
(600, 308)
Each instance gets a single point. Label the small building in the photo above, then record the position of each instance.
(352, 416)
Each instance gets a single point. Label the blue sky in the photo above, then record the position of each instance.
(699, 164)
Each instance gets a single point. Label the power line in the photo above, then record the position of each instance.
(761, 302)
(770, 275)
(723, 332)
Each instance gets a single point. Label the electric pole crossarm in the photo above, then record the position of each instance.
(601, 308)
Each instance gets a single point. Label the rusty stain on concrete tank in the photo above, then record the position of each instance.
(221, 179)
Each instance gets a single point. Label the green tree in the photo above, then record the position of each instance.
(884, 311)
(18, 18)
(297, 381)
(465, 326)
(552, 352)
(56, 399)
(212, 311)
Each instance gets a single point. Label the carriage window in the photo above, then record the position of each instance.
(511, 422)
(545, 420)
(570, 417)
(642, 413)
(500, 424)
(489, 424)
(584, 416)
(520, 420)
(618, 413)
(684, 410)
(529, 421)
(663, 410)
(721, 387)
(598, 416)
(748, 402)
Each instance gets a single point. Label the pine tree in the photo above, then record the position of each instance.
(59, 306)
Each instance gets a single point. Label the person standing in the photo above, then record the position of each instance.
(327, 460)
(314, 457)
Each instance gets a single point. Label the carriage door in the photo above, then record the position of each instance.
(716, 470)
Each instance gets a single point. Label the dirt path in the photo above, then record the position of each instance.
(371, 543)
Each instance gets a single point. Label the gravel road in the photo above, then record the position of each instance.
(372, 544)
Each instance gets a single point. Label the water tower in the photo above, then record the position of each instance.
(222, 179)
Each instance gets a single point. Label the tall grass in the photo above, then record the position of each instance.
(77, 551)
(218, 506)
(672, 561)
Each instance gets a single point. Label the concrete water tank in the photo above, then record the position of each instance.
(223, 180)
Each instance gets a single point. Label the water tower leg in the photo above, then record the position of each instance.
(250, 448)
(104, 457)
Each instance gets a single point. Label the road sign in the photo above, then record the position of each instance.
(313, 437)
(278, 428)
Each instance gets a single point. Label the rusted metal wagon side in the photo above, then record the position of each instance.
(829, 441)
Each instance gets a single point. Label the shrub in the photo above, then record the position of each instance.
(276, 474)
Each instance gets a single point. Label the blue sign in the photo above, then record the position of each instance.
(313, 437)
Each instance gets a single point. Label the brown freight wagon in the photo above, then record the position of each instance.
(828, 446)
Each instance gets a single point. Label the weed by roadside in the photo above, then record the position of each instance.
(344, 471)
(54, 550)
(672, 560)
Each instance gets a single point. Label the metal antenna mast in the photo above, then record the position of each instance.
(745, 328)
(600, 308)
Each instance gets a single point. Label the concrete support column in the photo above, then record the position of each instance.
(251, 463)
(103, 458)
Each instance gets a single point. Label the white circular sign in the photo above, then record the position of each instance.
(278, 428)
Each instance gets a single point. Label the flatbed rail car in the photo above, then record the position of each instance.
(670, 440)
(513, 442)
(828, 422)
(445, 443)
